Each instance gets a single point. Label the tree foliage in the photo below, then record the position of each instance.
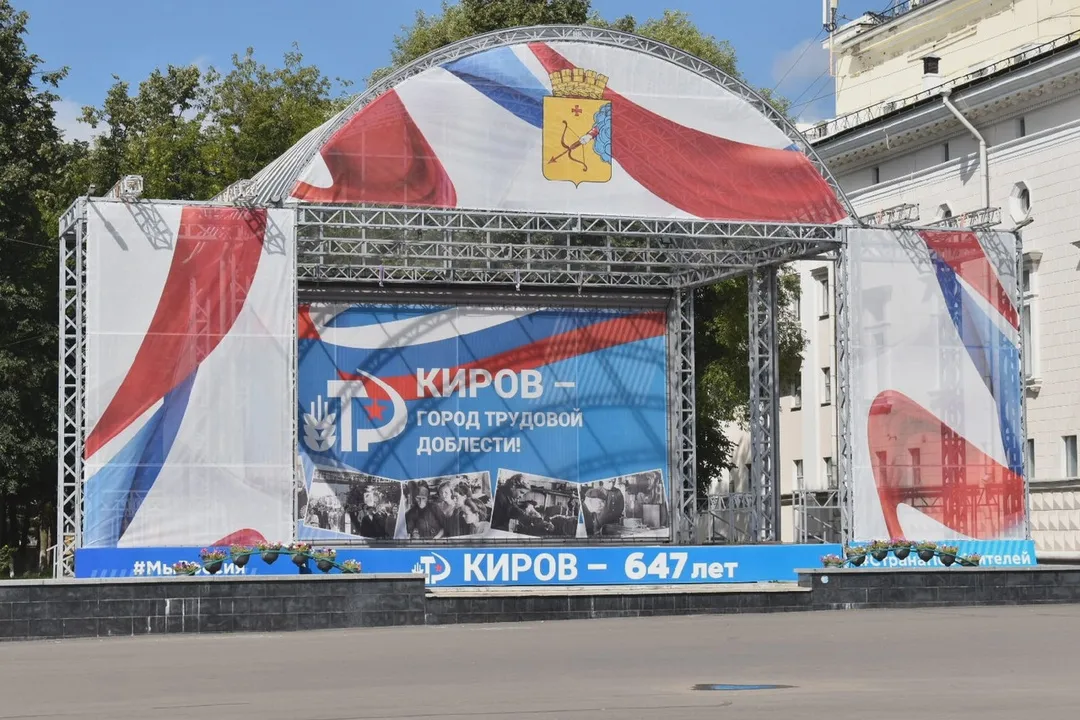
(29, 146)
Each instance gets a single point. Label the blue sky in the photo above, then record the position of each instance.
(350, 38)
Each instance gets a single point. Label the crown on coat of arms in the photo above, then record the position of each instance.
(578, 83)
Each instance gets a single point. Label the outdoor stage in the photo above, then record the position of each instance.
(474, 364)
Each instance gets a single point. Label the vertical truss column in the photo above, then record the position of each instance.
(764, 405)
(1018, 301)
(841, 294)
(684, 477)
(69, 433)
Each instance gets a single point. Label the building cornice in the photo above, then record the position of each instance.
(875, 194)
(983, 101)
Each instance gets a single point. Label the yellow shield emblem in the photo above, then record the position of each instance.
(577, 128)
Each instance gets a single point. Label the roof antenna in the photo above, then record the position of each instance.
(829, 9)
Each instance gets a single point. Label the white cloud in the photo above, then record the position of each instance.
(67, 121)
(801, 74)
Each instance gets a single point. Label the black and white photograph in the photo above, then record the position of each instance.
(535, 506)
(627, 506)
(354, 503)
(449, 506)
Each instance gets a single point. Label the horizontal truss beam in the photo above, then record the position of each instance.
(389, 245)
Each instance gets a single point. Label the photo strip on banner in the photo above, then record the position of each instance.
(481, 422)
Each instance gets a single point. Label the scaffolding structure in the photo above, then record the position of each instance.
(407, 252)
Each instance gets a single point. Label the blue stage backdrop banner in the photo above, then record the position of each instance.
(506, 567)
(432, 422)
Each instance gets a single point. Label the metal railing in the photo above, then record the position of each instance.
(898, 8)
(859, 117)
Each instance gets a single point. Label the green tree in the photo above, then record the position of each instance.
(254, 114)
(190, 133)
(721, 310)
(29, 147)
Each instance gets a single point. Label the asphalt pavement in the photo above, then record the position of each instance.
(977, 663)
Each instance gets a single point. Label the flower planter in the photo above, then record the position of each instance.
(300, 560)
(879, 555)
(241, 560)
(901, 553)
(926, 555)
(947, 559)
(857, 560)
(324, 565)
(214, 566)
(269, 557)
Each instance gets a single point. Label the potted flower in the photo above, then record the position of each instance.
(186, 567)
(350, 566)
(901, 548)
(879, 550)
(212, 559)
(240, 554)
(947, 553)
(856, 555)
(970, 560)
(832, 561)
(301, 553)
(324, 558)
(269, 551)
(926, 550)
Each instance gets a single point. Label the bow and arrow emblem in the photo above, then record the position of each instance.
(568, 148)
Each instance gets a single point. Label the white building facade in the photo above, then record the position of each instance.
(1010, 69)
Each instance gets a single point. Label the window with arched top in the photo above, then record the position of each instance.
(944, 212)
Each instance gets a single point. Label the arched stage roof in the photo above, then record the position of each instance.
(561, 119)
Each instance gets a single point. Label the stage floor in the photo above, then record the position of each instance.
(978, 663)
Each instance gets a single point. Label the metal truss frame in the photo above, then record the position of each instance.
(71, 387)
(842, 340)
(817, 514)
(683, 410)
(764, 404)
(276, 181)
(910, 248)
(394, 245)
(602, 259)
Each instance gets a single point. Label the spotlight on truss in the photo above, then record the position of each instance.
(129, 187)
(240, 192)
(896, 215)
(975, 220)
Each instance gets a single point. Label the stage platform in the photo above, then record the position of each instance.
(43, 609)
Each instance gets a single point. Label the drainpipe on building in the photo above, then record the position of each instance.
(983, 163)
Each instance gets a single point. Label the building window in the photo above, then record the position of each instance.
(931, 65)
(1029, 459)
(826, 387)
(796, 394)
(798, 475)
(945, 152)
(1020, 203)
(1069, 441)
(944, 212)
(830, 472)
(915, 459)
(875, 176)
(1029, 316)
(821, 280)
(1021, 127)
